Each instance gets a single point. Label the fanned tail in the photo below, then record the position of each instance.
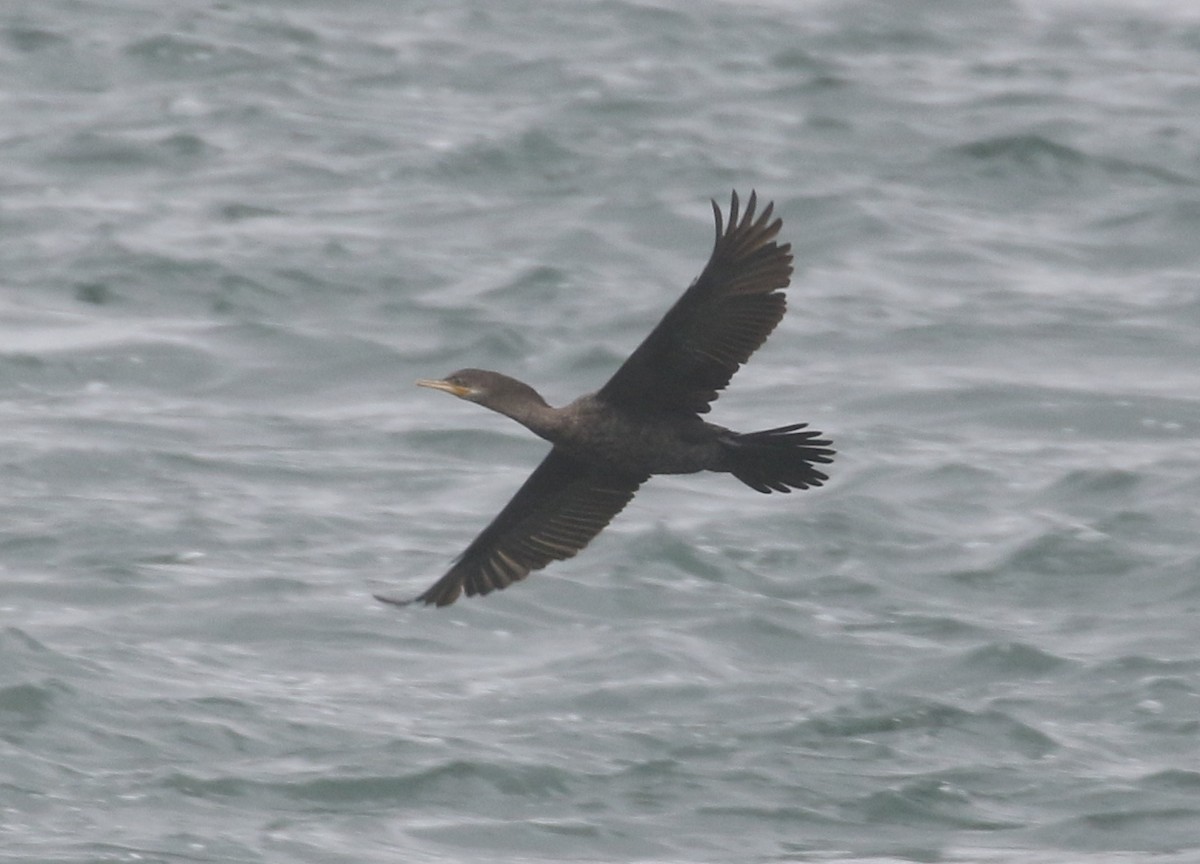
(778, 460)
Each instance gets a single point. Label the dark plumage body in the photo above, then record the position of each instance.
(645, 420)
(632, 442)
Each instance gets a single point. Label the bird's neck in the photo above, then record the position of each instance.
(532, 412)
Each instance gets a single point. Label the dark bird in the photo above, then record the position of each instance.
(645, 420)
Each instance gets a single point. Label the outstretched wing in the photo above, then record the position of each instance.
(559, 509)
(716, 325)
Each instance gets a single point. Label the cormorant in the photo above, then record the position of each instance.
(645, 420)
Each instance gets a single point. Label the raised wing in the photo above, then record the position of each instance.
(716, 325)
(559, 509)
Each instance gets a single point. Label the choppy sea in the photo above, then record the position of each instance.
(233, 233)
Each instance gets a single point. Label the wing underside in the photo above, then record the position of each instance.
(556, 513)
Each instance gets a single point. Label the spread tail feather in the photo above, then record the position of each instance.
(778, 460)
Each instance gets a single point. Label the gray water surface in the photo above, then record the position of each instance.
(233, 234)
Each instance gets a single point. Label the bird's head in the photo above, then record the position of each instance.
(489, 389)
(466, 384)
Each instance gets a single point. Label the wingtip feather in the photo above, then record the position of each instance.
(751, 205)
(395, 601)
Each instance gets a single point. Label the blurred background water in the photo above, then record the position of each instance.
(233, 233)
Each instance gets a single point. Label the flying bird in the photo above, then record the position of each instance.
(646, 420)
